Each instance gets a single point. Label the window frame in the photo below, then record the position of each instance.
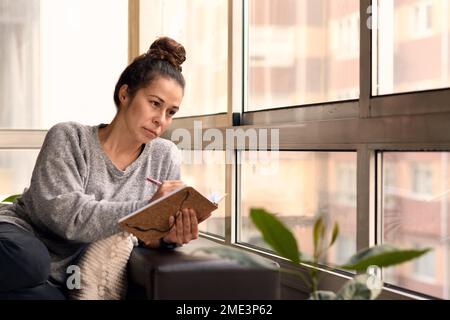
(406, 121)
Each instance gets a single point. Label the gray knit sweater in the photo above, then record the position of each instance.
(77, 195)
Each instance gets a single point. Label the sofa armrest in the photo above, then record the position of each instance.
(182, 274)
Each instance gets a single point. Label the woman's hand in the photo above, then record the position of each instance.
(184, 227)
(166, 187)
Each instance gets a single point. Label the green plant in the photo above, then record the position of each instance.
(11, 198)
(362, 286)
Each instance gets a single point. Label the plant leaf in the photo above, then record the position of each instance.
(382, 256)
(11, 198)
(276, 234)
(322, 295)
(318, 231)
(361, 287)
(335, 233)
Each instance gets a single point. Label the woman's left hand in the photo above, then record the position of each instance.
(184, 229)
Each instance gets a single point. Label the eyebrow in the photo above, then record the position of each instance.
(162, 100)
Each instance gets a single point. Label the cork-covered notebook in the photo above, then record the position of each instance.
(151, 222)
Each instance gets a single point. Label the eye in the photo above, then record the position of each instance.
(172, 112)
(155, 103)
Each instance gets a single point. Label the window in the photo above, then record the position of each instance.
(16, 167)
(19, 35)
(411, 46)
(201, 26)
(301, 52)
(206, 171)
(54, 54)
(389, 183)
(422, 179)
(52, 69)
(301, 187)
(425, 267)
(419, 219)
(422, 21)
(346, 183)
(346, 38)
(345, 248)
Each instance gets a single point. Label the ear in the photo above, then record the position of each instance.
(123, 94)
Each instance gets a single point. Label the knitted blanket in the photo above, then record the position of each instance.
(103, 268)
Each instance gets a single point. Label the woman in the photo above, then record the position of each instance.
(88, 177)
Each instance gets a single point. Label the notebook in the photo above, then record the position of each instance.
(151, 222)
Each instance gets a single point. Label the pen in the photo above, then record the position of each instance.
(158, 183)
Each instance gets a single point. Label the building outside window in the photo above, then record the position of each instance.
(302, 52)
(422, 22)
(422, 179)
(346, 183)
(418, 219)
(425, 267)
(412, 46)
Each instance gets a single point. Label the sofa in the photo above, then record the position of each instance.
(195, 272)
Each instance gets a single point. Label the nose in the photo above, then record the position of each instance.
(158, 119)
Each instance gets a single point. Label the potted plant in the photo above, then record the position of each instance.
(12, 198)
(363, 286)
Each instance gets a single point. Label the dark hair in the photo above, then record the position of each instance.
(163, 59)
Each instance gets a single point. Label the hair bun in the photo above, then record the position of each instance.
(165, 48)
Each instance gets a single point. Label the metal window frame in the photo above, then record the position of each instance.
(21, 139)
(406, 121)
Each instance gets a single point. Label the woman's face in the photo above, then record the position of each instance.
(150, 111)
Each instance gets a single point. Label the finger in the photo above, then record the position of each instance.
(172, 235)
(194, 224)
(163, 190)
(179, 224)
(172, 183)
(170, 187)
(186, 226)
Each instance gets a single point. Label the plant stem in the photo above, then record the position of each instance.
(314, 282)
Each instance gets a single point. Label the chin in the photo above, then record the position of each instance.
(147, 139)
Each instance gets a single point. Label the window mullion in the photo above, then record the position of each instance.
(365, 186)
(365, 57)
(22, 139)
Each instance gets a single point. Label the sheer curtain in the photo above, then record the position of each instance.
(19, 64)
(59, 61)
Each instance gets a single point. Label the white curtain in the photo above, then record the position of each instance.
(19, 64)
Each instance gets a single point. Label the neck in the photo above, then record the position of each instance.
(117, 141)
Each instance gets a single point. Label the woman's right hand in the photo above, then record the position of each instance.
(166, 187)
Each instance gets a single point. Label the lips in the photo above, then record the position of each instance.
(151, 132)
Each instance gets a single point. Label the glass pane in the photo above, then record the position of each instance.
(415, 213)
(58, 63)
(298, 188)
(201, 26)
(412, 46)
(16, 167)
(205, 171)
(302, 52)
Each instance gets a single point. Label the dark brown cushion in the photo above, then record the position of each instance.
(183, 274)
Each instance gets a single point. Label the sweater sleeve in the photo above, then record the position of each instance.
(56, 199)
